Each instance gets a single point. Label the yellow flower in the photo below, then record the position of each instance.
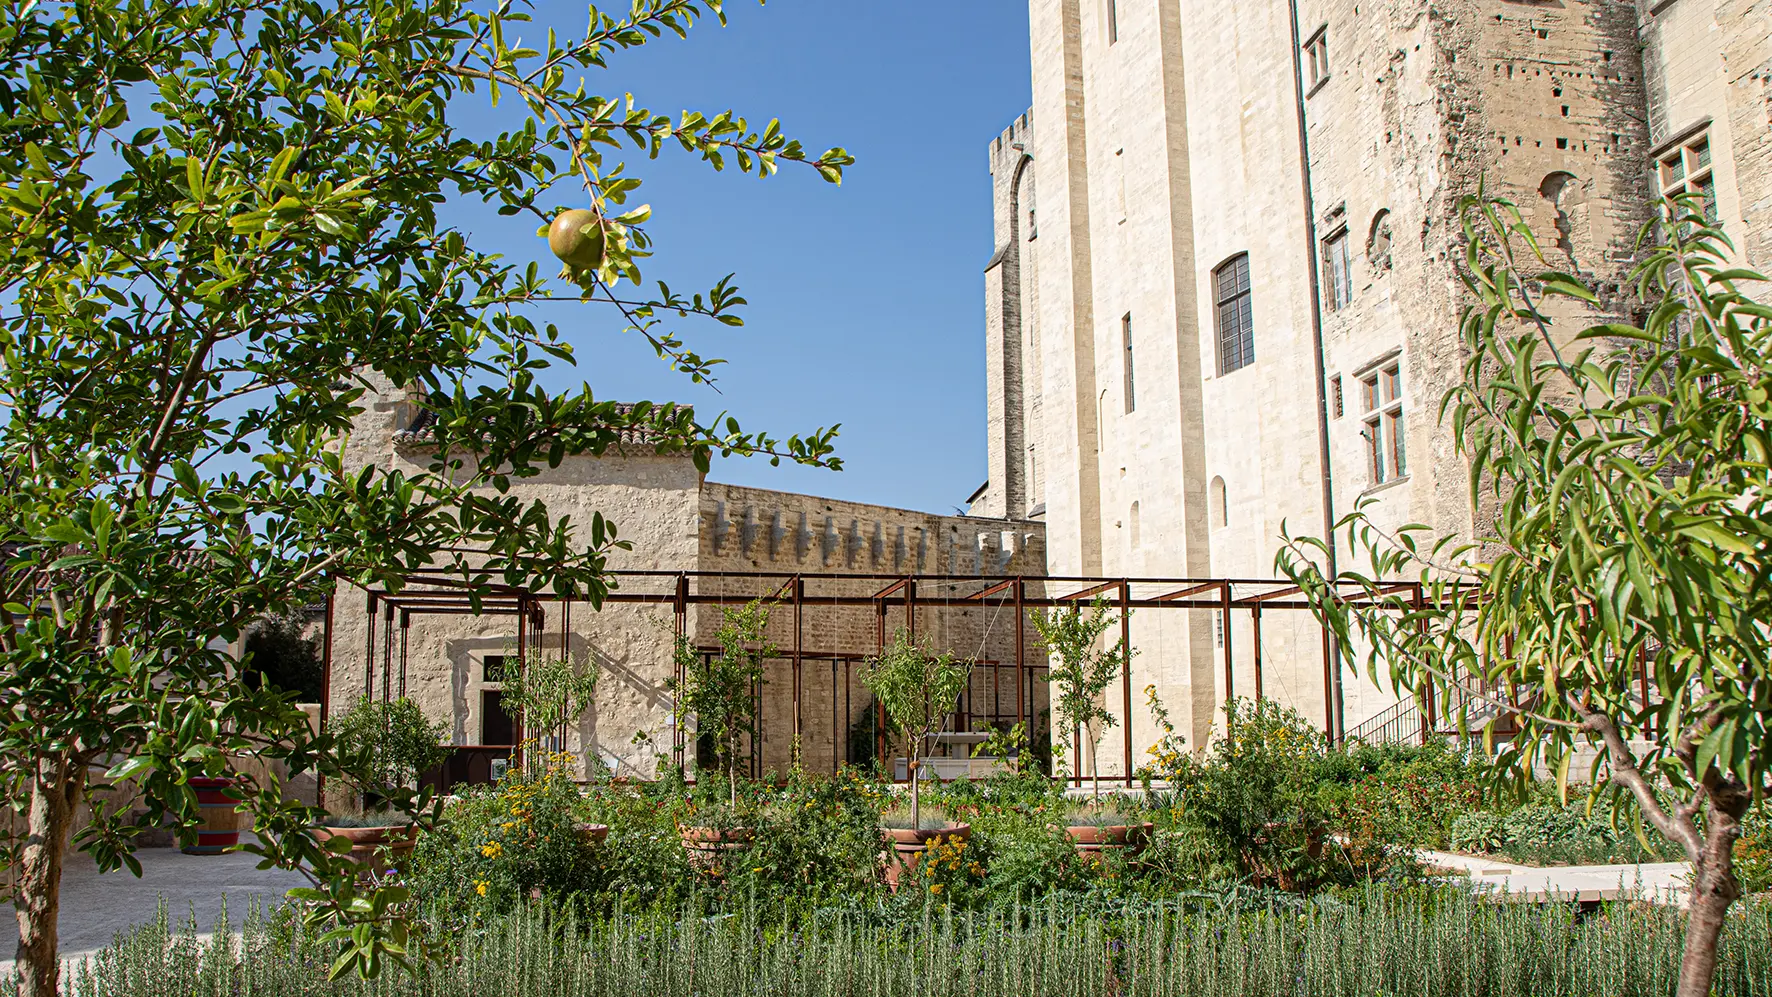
(480, 886)
(492, 849)
(935, 888)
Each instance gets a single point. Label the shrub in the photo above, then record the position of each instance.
(393, 742)
(498, 843)
(1538, 825)
(1479, 831)
(1255, 798)
(1753, 850)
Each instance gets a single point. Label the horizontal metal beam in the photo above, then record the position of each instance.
(1191, 590)
(1086, 593)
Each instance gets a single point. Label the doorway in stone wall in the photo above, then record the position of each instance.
(496, 726)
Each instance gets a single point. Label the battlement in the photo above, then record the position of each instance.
(1014, 141)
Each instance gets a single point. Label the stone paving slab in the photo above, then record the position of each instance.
(1664, 882)
(95, 908)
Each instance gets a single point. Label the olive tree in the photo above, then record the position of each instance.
(221, 221)
(1617, 598)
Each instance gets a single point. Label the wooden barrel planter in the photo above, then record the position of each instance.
(220, 829)
(375, 849)
(1093, 839)
(909, 844)
(709, 848)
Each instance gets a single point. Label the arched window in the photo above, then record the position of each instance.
(1236, 318)
(1215, 504)
(1133, 519)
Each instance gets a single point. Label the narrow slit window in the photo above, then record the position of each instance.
(1126, 345)
(1341, 270)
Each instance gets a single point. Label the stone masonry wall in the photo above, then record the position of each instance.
(757, 536)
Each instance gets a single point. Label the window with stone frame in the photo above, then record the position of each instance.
(1686, 170)
(1316, 58)
(1236, 320)
(1338, 261)
(1383, 427)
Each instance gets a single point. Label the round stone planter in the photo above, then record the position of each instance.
(709, 848)
(220, 829)
(375, 849)
(592, 834)
(909, 844)
(1092, 839)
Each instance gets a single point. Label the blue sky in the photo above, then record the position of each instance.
(866, 301)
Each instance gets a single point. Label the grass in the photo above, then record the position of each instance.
(1395, 944)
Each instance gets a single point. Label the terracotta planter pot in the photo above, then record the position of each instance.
(375, 849)
(1091, 840)
(710, 847)
(909, 844)
(592, 834)
(220, 829)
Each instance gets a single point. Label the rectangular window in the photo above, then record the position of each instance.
(1335, 398)
(1383, 426)
(1113, 21)
(1341, 272)
(492, 668)
(1236, 321)
(1316, 56)
(1685, 170)
(1126, 343)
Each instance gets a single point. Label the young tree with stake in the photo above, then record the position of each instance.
(219, 229)
(1618, 598)
(720, 691)
(919, 690)
(1081, 672)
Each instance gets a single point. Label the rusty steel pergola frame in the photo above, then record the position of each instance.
(440, 592)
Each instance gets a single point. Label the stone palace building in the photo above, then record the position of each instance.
(1224, 294)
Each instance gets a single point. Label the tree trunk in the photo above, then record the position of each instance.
(1714, 889)
(916, 810)
(1095, 768)
(54, 791)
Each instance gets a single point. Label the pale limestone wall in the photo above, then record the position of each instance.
(652, 501)
(679, 523)
(1709, 64)
(749, 532)
(1174, 146)
(1071, 483)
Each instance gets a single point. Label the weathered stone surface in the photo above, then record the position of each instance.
(750, 542)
